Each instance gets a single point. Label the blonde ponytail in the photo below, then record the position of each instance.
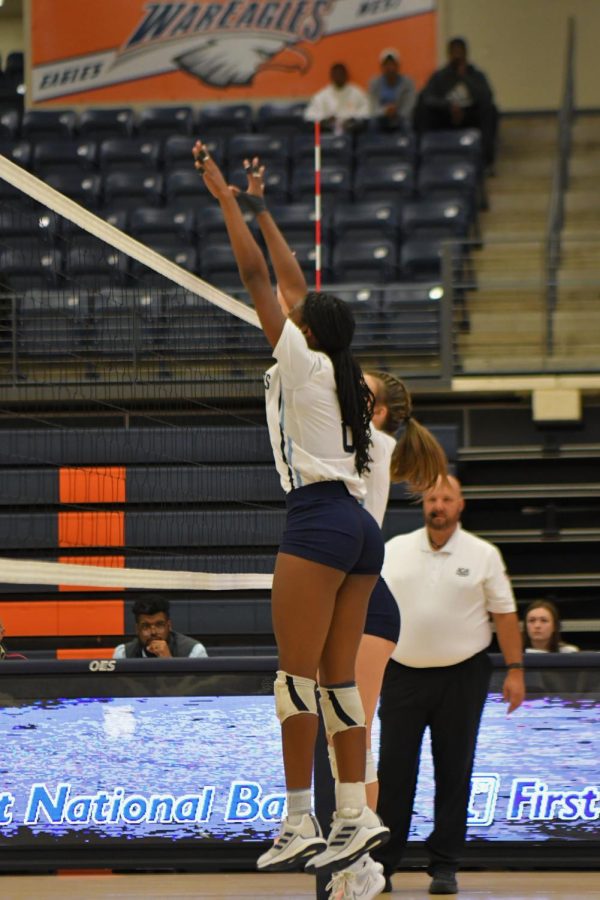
(418, 457)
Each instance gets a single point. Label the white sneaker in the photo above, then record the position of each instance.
(350, 837)
(293, 846)
(361, 881)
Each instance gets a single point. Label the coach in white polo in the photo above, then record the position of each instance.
(447, 583)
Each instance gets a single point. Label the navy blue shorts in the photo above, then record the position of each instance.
(327, 525)
(383, 615)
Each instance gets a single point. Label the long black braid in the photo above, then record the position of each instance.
(332, 323)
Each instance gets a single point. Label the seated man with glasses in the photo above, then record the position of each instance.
(154, 636)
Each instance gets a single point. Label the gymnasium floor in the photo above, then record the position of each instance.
(407, 886)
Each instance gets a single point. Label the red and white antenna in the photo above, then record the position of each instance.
(318, 206)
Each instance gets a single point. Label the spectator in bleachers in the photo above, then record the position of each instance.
(341, 106)
(459, 96)
(155, 637)
(2, 647)
(392, 94)
(542, 629)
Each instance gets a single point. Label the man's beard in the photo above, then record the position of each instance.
(437, 522)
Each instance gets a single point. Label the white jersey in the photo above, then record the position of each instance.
(377, 480)
(310, 442)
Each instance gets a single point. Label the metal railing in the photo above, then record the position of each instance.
(559, 183)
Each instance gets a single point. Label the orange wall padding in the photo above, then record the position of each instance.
(30, 618)
(61, 618)
(92, 484)
(85, 653)
(90, 617)
(91, 529)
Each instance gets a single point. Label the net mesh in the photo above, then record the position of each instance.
(133, 435)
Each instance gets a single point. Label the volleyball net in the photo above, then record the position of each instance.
(133, 449)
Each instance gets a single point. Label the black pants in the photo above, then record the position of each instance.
(484, 117)
(450, 701)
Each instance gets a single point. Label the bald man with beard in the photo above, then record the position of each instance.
(449, 585)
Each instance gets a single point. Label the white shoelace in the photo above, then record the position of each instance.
(340, 881)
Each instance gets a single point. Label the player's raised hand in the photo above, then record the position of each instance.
(207, 167)
(256, 177)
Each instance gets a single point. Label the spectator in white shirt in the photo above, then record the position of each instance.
(447, 583)
(341, 106)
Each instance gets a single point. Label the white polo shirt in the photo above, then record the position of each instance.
(445, 596)
(309, 440)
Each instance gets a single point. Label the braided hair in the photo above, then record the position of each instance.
(332, 323)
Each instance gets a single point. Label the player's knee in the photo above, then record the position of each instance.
(341, 707)
(294, 695)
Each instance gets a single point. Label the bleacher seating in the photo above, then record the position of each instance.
(130, 189)
(224, 120)
(18, 152)
(103, 123)
(270, 148)
(376, 219)
(381, 181)
(53, 324)
(164, 121)
(336, 182)
(375, 186)
(9, 124)
(94, 264)
(76, 157)
(281, 118)
(163, 225)
(28, 266)
(127, 165)
(366, 261)
(85, 188)
(129, 154)
(48, 124)
(385, 149)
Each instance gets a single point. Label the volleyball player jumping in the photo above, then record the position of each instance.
(318, 412)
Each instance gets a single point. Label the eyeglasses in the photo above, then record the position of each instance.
(153, 626)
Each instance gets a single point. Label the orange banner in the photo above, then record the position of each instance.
(234, 50)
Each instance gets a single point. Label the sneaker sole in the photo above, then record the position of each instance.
(297, 861)
(337, 863)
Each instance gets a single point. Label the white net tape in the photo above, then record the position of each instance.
(98, 227)
(18, 571)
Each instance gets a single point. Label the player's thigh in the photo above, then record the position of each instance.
(303, 600)
(346, 629)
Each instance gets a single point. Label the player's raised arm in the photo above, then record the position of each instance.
(251, 263)
(290, 277)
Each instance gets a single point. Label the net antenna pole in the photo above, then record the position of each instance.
(318, 233)
(98, 227)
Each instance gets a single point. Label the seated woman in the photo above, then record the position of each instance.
(542, 629)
